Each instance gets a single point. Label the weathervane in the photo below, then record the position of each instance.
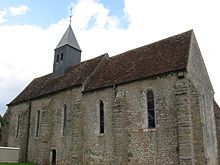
(71, 14)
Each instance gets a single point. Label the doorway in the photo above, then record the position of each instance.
(53, 159)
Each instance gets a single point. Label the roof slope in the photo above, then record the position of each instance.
(164, 56)
(69, 39)
(47, 84)
(216, 107)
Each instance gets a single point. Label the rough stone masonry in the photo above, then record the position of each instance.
(152, 105)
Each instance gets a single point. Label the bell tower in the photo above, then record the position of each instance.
(67, 53)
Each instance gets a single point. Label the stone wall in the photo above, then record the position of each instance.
(127, 139)
(154, 146)
(185, 132)
(15, 133)
(204, 95)
(217, 121)
(183, 135)
(69, 146)
(98, 147)
(184, 123)
(198, 126)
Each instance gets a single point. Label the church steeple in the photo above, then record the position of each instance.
(67, 52)
(69, 39)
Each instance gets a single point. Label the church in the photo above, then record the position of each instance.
(153, 105)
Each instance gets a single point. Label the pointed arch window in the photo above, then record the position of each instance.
(38, 125)
(18, 125)
(101, 117)
(64, 119)
(150, 109)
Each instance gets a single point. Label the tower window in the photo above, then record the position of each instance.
(61, 57)
(101, 117)
(38, 125)
(150, 109)
(57, 58)
(64, 119)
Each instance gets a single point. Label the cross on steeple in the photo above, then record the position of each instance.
(71, 14)
(67, 52)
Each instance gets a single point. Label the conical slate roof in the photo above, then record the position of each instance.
(69, 39)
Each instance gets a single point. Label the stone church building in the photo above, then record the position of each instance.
(153, 105)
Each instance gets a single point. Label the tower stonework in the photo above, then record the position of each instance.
(67, 53)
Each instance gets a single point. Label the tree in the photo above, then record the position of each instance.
(1, 127)
(3, 122)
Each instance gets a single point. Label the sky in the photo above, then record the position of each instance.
(31, 29)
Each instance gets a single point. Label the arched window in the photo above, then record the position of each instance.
(38, 124)
(18, 125)
(150, 109)
(64, 119)
(101, 117)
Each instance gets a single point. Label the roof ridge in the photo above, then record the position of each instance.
(152, 43)
(164, 56)
(154, 59)
(99, 66)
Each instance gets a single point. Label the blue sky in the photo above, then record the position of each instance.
(44, 13)
(41, 13)
(31, 29)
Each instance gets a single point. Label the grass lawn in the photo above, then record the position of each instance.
(16, 164)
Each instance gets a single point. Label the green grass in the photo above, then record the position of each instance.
(17, 164)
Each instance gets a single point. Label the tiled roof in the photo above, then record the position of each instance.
(164, 56)
(47, 84)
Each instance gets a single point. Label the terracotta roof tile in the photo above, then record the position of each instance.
(47, 84)
(164, 56)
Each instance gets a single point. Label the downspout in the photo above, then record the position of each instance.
(28, 129)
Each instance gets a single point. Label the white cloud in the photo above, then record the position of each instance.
(153, 20)
(2, 15)
(90, 10)
(27, 51)
(18, 10)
